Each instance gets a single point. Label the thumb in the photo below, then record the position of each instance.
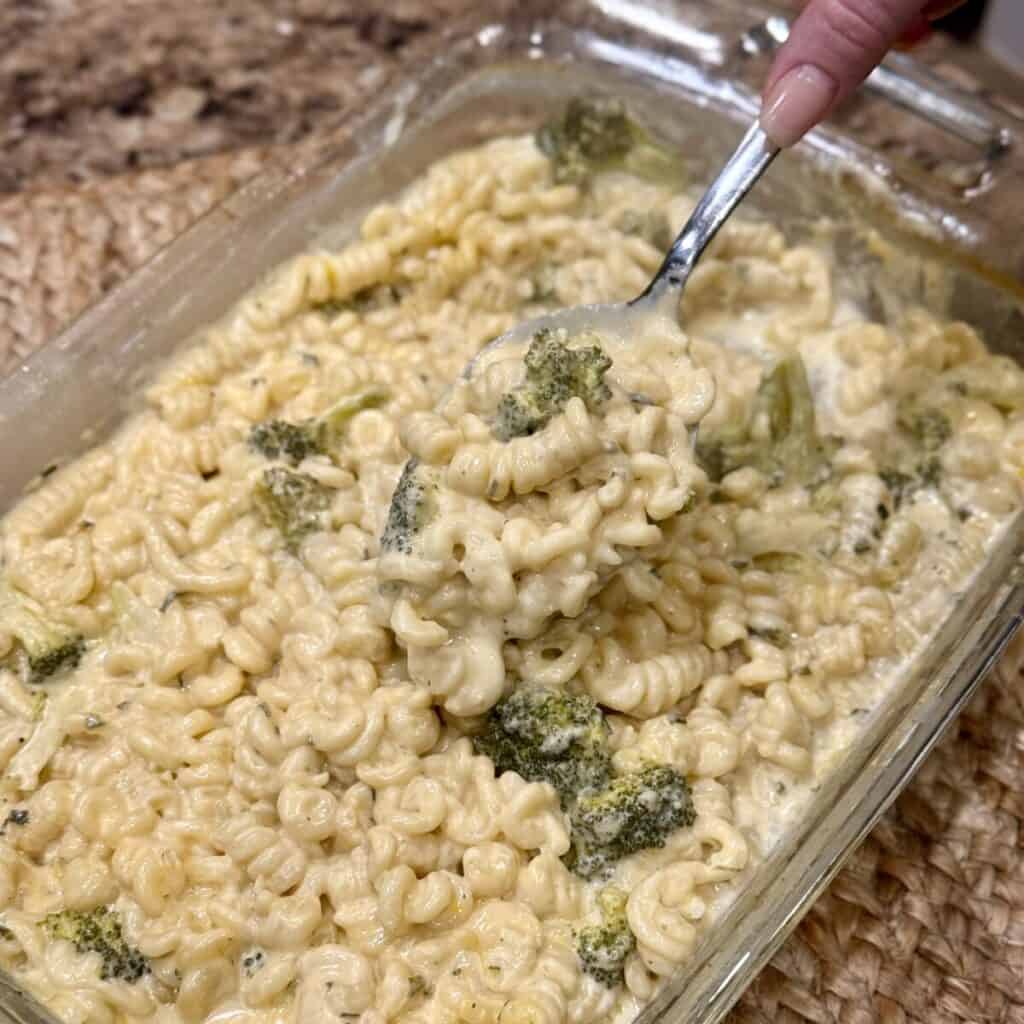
(921, 28)
(833, 46)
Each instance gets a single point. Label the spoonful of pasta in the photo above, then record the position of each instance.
(552, 466)
(524, 378)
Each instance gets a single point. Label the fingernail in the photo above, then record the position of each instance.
(796, 103)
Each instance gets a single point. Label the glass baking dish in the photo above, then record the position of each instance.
(932, 167)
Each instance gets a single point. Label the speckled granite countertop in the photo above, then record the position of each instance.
(90, 88)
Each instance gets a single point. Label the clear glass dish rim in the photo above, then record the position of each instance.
(720, 971)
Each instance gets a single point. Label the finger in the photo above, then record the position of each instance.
(922, 27)
(918, 32)
(940, 8)
(833, 46)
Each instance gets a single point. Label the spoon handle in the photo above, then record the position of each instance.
(751, 159)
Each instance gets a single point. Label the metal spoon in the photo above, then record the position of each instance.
(622, 319)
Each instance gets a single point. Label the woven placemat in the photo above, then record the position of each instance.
(61, 249)
(924, 925)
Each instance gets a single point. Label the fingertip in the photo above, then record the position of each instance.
(843, 40)
(796, 103)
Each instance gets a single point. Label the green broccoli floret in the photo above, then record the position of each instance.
(47, 648)
(411, 508)
(929, 472)
(278, 439)
(929, 427)
(554, 374)
(99, 931)
(295, 504)
(598, 135)
(911, 461)
(780, 438)
(901, 485)
(603, 948)
(293, 442)
(549, 736)
(904, 484)
(638, 811)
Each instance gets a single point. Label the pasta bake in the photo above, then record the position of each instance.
(337, 686)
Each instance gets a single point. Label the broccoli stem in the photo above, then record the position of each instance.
(48, 648)
(792, 450)
(410, 510)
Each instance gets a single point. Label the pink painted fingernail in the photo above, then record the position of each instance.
(796, 103)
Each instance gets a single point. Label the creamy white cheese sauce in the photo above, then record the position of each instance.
(263, 759)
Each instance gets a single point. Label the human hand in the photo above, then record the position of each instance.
(833, 46)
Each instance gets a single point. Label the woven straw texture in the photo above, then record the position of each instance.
(926, 923)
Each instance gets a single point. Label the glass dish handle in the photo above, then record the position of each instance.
(915, 88)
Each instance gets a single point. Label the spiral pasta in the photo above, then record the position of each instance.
(259, 750)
